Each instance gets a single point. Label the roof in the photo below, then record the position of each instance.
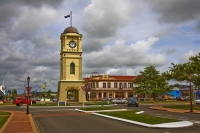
(110, 78)
(70, 30)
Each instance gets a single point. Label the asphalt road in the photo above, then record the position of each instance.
(62, 120)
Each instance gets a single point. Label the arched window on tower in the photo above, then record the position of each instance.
(72, 68)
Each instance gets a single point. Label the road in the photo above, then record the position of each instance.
(60, 120)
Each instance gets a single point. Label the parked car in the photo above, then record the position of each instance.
(110, 98)
(3, 101)
(132, 101)
(19, 101)
(172, 98)
(119, 100)
(180, 99)
(197, 101)
(55, 100)
(36, 99)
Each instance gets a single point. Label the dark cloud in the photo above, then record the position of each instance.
(94, 44)
(39, 3)
(198, 26)
(176, 11)
(10, 10)
(103, 22)
(170, 51)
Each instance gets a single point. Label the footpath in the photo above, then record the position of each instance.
(20, 122)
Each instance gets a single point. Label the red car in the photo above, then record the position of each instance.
(181, 99)
(3, 101)
(19, 101)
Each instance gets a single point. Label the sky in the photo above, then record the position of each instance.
(120, 37)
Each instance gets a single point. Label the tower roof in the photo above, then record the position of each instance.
(70, 30)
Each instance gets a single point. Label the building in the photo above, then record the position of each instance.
(100, 87)
(2, 91)
(174, 93)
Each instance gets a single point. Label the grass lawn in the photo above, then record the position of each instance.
(4, 117)
(4, 113)
(50, 104)
(184, 107)
(98, 108)
(6, 103)
(98, 103)
(130, 115)
(164, 102)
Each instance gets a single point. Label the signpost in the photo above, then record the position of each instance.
(30, 88)
(83, 88)
(89, 95)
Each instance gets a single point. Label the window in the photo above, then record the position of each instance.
(72, 68)
(130, 94)
(120, 85)
(97, 84)
(104, 85)
(99, 95)
(125, 85)
(108, 84)
(115, 85)
(130, 85)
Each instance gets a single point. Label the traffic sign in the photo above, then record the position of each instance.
(29, 88)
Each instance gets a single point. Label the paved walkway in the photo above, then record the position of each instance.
(20, 122)
(173, 110)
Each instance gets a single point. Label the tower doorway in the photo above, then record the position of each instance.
(72, 95)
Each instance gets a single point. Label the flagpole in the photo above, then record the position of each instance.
(71, 18)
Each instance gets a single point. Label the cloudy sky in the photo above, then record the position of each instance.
(120, 37)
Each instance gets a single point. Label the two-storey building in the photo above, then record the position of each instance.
(100, 87)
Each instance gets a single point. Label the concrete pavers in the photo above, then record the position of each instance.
(19, 122)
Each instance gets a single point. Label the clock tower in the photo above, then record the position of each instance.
(71, 82)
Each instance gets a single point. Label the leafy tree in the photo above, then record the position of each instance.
(48, 93)
(188, 72)
(14, 92)
(151, 82)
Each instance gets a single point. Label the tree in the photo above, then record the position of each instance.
(151, 82)
(48, 93)
(188, 72)
(14, 92)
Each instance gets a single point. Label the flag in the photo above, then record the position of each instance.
(67, 16)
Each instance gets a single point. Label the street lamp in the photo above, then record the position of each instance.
(27, 109)
(121, 89)
(191, 107)
(88, 91)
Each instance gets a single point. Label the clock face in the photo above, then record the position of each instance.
(72, 44)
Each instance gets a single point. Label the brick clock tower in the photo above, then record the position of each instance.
(71, 82)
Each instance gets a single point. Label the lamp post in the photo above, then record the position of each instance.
(27, 109)
(191, 107)
(121, 89)
(89, 95)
